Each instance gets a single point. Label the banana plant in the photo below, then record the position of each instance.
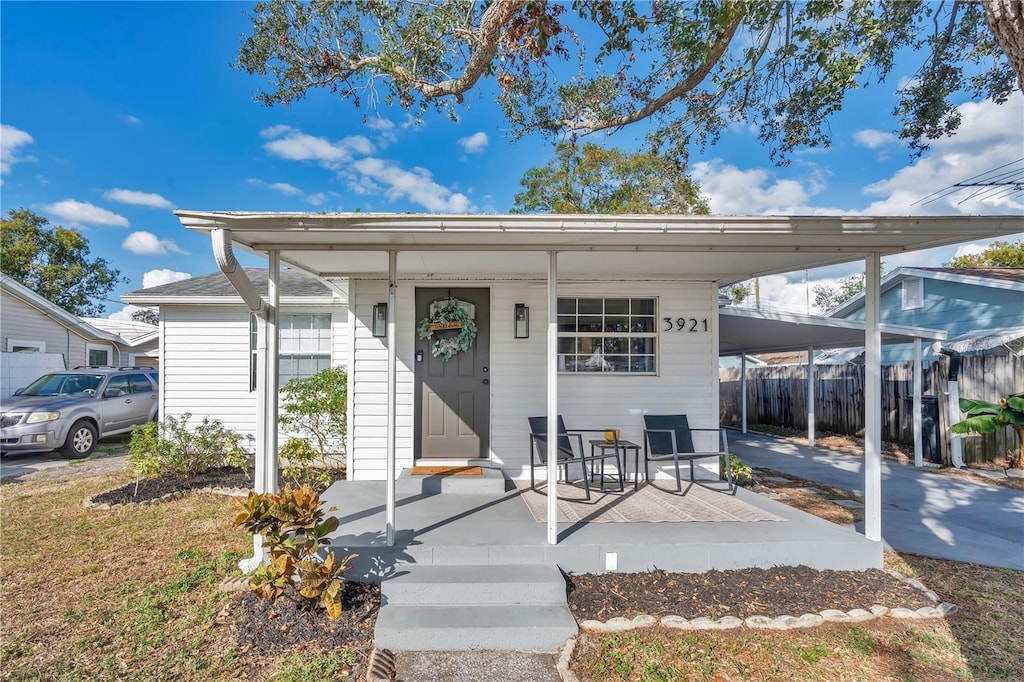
(986, 417)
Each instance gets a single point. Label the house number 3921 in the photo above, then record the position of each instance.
(685, 324)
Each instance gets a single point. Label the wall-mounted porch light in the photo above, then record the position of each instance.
(522, 326)
(380, 319)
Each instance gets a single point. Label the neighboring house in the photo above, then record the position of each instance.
(969, 304)
(143, 337)
(208, 354)
(38, 336)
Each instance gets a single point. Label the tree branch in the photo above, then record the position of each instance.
(719, 47)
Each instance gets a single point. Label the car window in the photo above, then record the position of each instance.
(64, 384)
(140, 384)
(118, 382)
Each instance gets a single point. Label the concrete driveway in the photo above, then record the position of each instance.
(923, 512)
(15, 465)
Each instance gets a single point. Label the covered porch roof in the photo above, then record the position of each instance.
(556, 248)
(720, 248)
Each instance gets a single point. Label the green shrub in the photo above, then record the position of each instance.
(293, 527)
(314, 409)
(741, 473)
(171, 448)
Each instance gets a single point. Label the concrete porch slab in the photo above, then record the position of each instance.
(498, 529)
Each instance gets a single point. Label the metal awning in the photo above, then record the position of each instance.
(716, 248)
(754, 331)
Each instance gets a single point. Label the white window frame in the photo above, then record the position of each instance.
(912, 291)
(13, 344)
(90, 347)
(284, 354)
(653, 335)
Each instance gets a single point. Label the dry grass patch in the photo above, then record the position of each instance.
(821, 504)
(877, 650)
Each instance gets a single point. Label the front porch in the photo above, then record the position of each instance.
(476, 527)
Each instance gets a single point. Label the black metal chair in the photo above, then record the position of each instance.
(566, 454)
(669, 437)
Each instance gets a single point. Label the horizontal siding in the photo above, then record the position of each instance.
(23, 322)
(205, 368)
(687, 380)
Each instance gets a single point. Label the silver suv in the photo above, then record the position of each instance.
(69, 411)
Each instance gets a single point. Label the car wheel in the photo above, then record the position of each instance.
(81, 440)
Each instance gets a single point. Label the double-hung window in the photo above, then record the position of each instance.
(608, 335)
(305, 346)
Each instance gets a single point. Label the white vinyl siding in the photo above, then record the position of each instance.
(686, 382)
(19, 320)
(205, 362)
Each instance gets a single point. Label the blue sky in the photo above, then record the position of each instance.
(114, 114)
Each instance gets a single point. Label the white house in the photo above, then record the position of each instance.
(39, 336)
(598, 318)
(208, 341)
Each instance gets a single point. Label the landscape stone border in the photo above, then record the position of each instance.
(941, 609)
(214, 490)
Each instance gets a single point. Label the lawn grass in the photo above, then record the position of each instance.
(131, 593)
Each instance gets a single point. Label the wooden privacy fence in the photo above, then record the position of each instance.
(777, 396)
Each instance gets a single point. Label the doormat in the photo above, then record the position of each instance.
(447, 471)
(650, 504)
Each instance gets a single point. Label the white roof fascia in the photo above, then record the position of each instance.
(157, 300)
(838, 323)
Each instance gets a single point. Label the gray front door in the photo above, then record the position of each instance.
(453, 397)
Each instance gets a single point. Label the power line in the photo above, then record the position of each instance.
(1002, 182)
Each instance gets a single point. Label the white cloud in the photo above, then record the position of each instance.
(384, 129)
(873, 139)
(133, 120)
(475, 143)
(989, 137)
(732, 191)
(972, 249)
(129, 196)
(147, 243)
(417, 185)
(155, 278)
(83, 212)
(317, 199)
(295, 145)
(10, 139)
(125, 313)
(285, 188)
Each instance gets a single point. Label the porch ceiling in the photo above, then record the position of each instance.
(722, 248)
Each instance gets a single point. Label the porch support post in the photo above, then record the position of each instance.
(872, 400)
(392, 377)
(810, 395)
(743, 391)
(272, 381)
(918, 384)
(552, 435)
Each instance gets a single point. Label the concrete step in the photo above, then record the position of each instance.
(460, 627)
(491, 482)
(475, 584)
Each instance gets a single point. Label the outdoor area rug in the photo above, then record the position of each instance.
(649, 504)
(446, 471)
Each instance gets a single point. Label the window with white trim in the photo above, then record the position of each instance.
(98, 356)
(20, 346)
(913, 293)
(608, 335)
(305, 346)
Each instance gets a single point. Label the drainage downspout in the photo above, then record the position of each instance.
(223, 253)
(955, 444)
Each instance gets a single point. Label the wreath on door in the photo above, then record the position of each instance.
(447, 317)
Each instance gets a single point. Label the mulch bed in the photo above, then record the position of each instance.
(149, 489)
(741, 593)
(260, 626)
